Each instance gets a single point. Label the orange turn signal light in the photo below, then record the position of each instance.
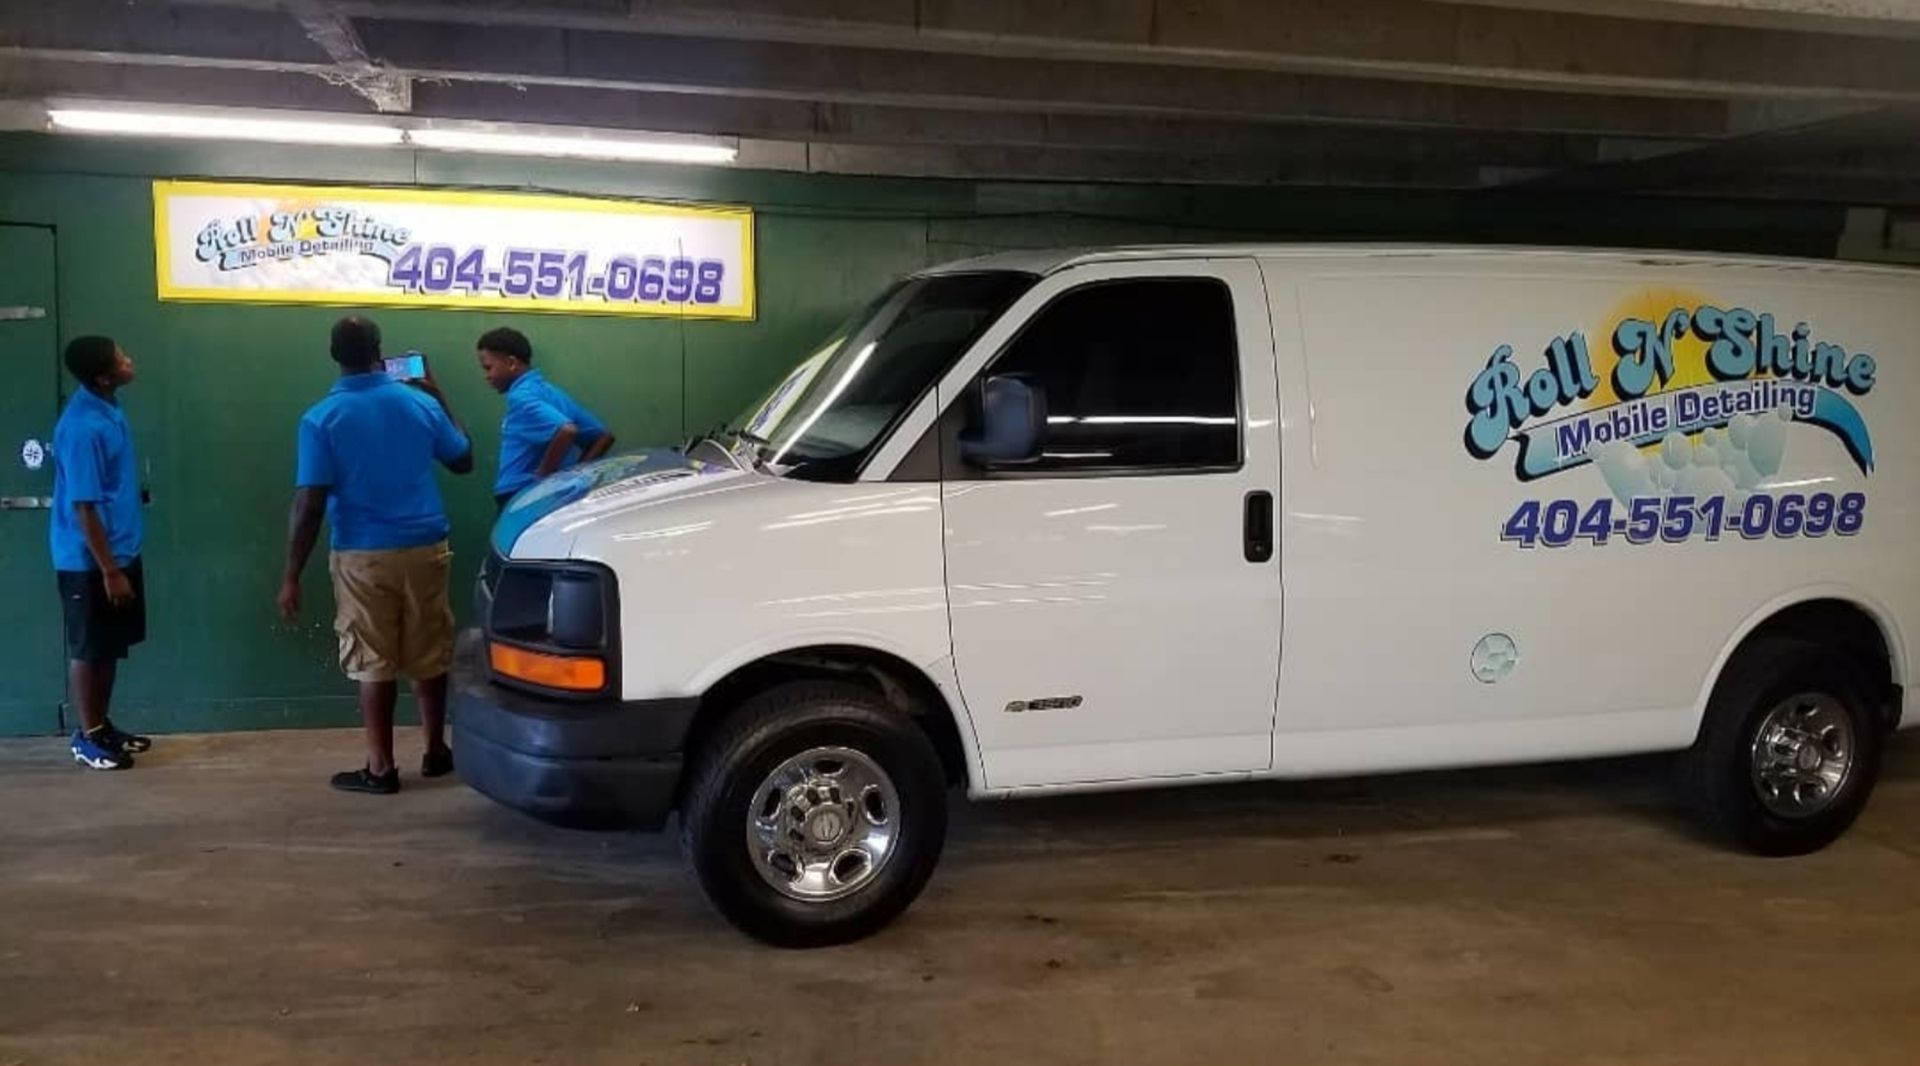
(566, 672)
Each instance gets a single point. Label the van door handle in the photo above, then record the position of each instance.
(1257, 527)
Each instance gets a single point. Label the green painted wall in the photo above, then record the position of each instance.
(221, 387)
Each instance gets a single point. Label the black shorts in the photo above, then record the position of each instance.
(97, 631)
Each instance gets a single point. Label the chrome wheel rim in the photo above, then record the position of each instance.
(823, 824)
(1803, 754)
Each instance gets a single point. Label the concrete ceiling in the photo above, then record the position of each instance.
(1808, 100)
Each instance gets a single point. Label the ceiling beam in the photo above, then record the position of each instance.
(1856, 17)
(872, 124)
(1691, 96)
(1885, 190)
(91, 30)
(1279, 149)
(1066, 164)
(224, 33)
(880, 76)
(1715, 164)
(34, 79)
(1415, 40)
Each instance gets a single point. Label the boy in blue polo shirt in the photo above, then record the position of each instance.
(96, 536)
(366, 457)
(544, 430)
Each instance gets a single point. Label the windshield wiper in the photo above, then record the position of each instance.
(752, 440)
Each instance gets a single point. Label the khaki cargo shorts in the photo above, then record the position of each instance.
(394, 615)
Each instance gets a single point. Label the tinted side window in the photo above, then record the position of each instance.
(1137, 374)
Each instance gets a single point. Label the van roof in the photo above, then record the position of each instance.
(1050, 260)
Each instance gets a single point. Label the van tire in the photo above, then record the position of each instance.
(1771, 678)
(765, 736)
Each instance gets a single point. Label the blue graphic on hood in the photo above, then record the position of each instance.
(542, 498)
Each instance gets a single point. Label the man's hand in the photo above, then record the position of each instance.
(289, 599)
(426, 383)
(119, 589)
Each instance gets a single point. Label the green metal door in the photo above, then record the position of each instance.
(32, 674)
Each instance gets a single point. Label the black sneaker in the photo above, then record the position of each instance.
(131, 743)
(436, 763)
(365, 780)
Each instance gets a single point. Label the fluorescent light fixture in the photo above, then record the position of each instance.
(303, 130)
(309, 127)
(571, 145)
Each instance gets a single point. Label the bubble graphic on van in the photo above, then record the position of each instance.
(1625, 469)
(1767, 442)
(1720, 462)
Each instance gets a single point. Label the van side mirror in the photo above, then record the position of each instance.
(1012, 422)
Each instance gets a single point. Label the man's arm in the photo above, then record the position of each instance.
(600, 446)
(557, 449)
(119, 589)
(457, 459)
(303, 531)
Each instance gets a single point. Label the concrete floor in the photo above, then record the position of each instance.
(219, 904)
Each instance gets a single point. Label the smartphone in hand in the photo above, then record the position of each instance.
(409, 367)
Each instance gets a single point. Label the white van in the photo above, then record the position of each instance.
(1045, 522)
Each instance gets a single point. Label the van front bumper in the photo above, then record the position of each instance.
(611, 764)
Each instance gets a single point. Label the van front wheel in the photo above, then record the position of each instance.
(1789, 751)
(814, 814)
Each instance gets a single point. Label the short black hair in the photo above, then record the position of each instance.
(507, 341)
(91, 358)
(356, 342)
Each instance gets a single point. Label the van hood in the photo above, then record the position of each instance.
(631, 478)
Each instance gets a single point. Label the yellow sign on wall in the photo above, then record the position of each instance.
(315, 244)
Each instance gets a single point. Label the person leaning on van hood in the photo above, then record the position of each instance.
(544, 430)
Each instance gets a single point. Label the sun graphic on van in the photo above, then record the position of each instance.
(1652, 305)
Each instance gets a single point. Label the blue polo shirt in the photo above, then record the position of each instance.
(93, 462)
(372, 444)
(536, 409)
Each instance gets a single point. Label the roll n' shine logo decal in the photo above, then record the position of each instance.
(1759, 375)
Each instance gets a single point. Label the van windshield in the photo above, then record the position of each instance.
(834, 410)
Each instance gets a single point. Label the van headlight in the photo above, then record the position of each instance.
(553, 627)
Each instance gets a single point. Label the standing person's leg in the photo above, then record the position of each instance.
(428, 639)
(90, 688)
(93, 651)
(89, 685)
(377, 699)
(129, 627)
(367, 593)
(104, 675)
(431, 695)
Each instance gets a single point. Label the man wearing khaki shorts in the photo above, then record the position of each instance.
(366, 459)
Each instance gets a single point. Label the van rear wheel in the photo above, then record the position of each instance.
(814, 814)
(1789, 751)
